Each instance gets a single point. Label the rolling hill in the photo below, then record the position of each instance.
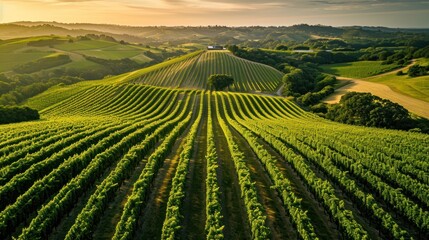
(193, 70)
(151, 154)
(16, 52)
(166, 163)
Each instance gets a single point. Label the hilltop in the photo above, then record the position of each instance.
(30, 65)
(192, 71)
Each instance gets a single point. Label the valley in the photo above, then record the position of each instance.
(150, 150)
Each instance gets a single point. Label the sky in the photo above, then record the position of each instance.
(388, 13)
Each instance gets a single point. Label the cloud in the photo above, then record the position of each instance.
(226, 12)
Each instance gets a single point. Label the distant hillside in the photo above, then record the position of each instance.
(8, 31)
(16, 52)
(193, 70)
(30, 65)
(157, 35)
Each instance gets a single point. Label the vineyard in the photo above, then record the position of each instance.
(131, 161)
(193, 70)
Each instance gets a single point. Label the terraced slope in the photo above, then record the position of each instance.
(193, 72)
(127, 161)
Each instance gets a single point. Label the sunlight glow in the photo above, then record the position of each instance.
(219, 12)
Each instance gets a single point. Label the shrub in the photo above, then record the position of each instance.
(220, 81)
(17, 114)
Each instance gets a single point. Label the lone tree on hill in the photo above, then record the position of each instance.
(220, 81)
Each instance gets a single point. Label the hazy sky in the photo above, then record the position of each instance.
(391, 13)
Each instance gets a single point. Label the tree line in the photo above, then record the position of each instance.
(17, 114)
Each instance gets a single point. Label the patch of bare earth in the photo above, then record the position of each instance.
(413, 105)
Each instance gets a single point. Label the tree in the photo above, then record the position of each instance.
(282, 47)
(220, 81)
(296, 82)
(17, 114)
(417, 70)
(369, 110)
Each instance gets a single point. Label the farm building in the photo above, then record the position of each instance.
(215, 47)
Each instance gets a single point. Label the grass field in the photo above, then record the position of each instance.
(8, 61)
(84, 45)
(361, 69)
(15, 52)
(417, 87)
(122, 161)
(192, 71)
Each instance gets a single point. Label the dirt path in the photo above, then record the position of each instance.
(194, 203)
(153, 214)
(233, 208)
(281, 226)
(413, 61)
(279, 92)
(324, 227)
(413, 105)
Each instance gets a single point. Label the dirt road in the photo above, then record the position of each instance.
(413, 105)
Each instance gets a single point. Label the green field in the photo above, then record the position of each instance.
(122, 161)
(16, 52)
(84, 45)
(152, 154)
(417, 87)
(192, 71)
(8, 61)
(361, 69)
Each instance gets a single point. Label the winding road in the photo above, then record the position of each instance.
(413, 105)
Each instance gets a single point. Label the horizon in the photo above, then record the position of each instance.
(215, 25)
(231, 13)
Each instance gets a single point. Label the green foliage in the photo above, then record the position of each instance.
(193, 70)
(312, 98)
(17, 114)
(220, 81)
(21, 87)
(301, 47)
(296, 82)
(325, 57)
(45, 42)
(258, 55)
(360, 69)
(282, 184)
(84, 153)
(213, 226)
(417, 70)
(129, 219)
(308, 82)
(174, 214)
(115, 67)
(282, 47)
(369, 110)
(254, 208)
(43, 63)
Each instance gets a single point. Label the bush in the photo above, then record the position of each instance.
(43, 63)
(319, 108)
(282, 47)
(417, 70)
(17, 114)
(220, 81)
(368, 110)
(311, 98)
